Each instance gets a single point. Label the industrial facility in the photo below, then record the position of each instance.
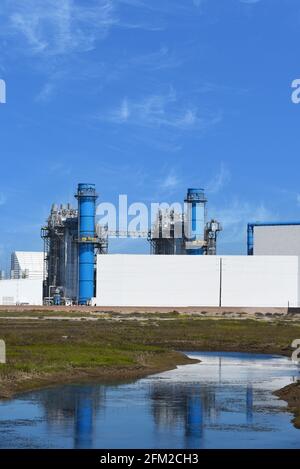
(73, 241)
(181, 270)
(186, 233)
(27, 265)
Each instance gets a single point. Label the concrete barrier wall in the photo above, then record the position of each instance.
(182, 281)
(260, 281)
(25, 291)
(138, 280)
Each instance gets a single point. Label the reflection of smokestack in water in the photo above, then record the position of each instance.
(194, 420)
(84, 423)
(249, 403)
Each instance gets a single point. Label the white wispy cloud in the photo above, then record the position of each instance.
(170, 181)
(219, 181)
(235, 216)
(292, 197)
(250, 1)
(46, 92)
(198, 3)
(56, 27)
(60, 27)
(168, 7)
(59, 168)
(123, 113)
(161, 110)
(161, 59)
(210, 87)
(3, 199)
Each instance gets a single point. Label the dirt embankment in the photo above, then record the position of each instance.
(291, 394)
(15, 381)
(217, 312)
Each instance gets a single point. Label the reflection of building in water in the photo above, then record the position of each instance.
(196, 407)
(187, 405)
(249, 403)
(76, 405)
(194, 420)
(84, 420)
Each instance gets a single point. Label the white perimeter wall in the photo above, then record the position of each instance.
(14, 292)
(260, 281)
(179, 281)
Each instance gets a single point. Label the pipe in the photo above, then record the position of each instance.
(250, 239)
(86, 197)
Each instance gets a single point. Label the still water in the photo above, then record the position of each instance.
(225, 401)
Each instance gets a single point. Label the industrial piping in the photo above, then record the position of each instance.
(250, 232)
(196, 207)
(86, 197)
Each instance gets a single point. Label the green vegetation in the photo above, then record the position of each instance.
(43, 351)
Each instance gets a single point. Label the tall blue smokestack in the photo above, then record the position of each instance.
(196, 208)
(87, 197)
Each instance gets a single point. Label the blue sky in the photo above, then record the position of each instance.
(147, 98)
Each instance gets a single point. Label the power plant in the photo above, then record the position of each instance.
(186, 233)
(70, 246)
(72, 241)
(183, 269)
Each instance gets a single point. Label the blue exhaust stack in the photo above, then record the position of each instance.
(196, 208)
(87, 197)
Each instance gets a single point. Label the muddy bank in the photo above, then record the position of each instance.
(18, 382)
(291, 394)
(260, 313)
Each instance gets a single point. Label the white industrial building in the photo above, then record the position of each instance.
(276, 239)
(180, 281)
(268, 278)
(26, 283)
(197, 281)
(21, 292)
(28, 265)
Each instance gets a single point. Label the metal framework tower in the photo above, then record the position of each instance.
(163, 236)
(212, 229)
(60, 251)
(69, 240)
(176, 233)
